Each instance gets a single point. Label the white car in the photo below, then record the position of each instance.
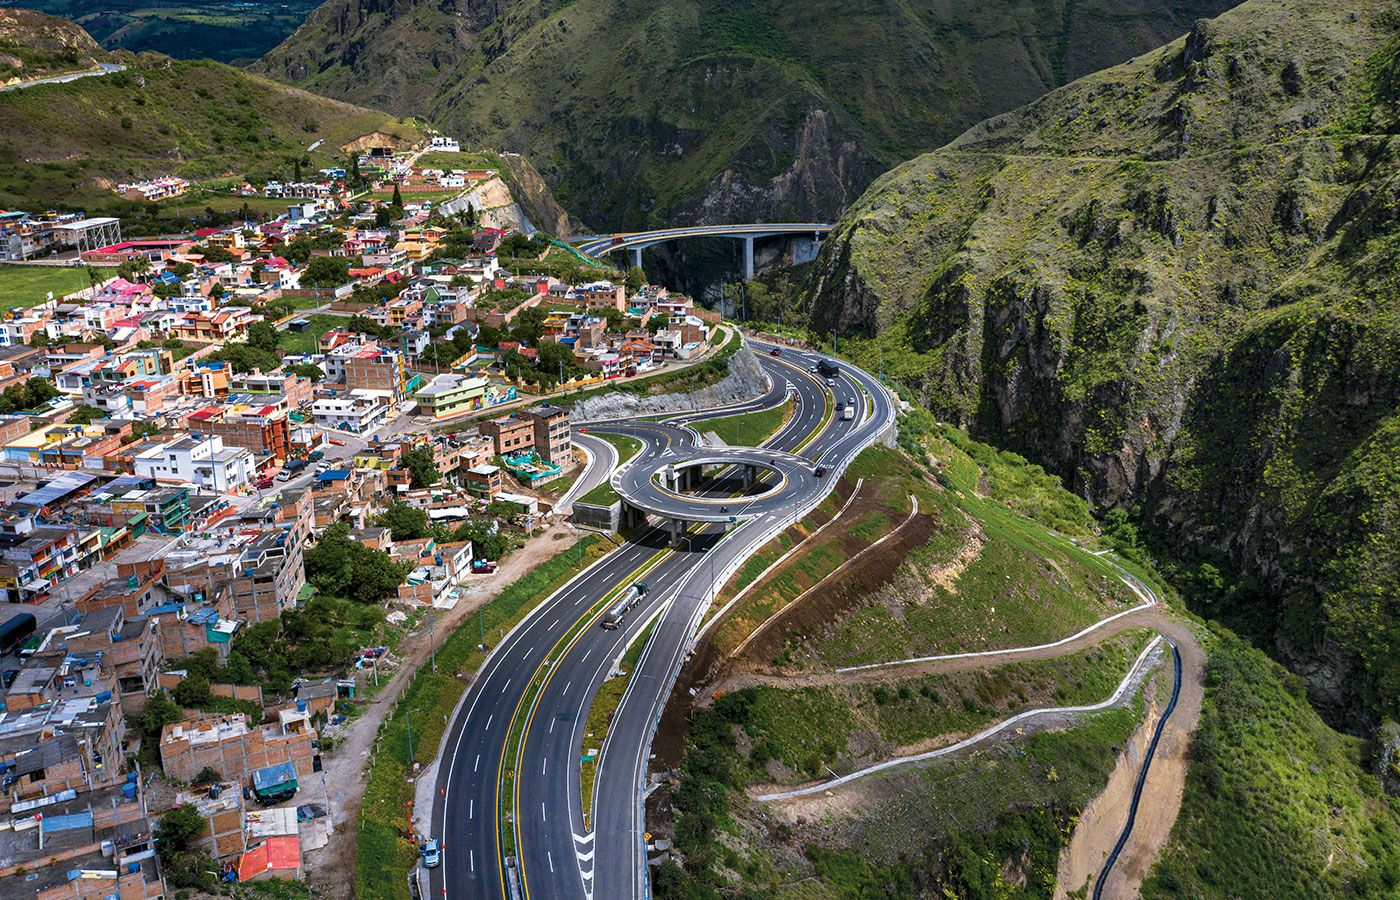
(831, 382)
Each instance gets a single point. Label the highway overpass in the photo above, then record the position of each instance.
(508, 802)
(637, 241)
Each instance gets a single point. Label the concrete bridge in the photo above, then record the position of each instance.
(637, 241)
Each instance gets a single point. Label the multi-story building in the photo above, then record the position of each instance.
(34, 557)
(72, 744)
(551, 433)
(264, 430)
(358, 411)
(484, 481)
(269, 575)
(451, 394)
(509, 434)
(234, 748)
(132, 645)
(199, 459)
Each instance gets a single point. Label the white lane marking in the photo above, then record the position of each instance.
(550, 854)
(471, 809)
(566, 689)
(544, 815)
(555, 622)
(504, 686)
(488, 721)
(473, 855)
(544, 765)
(478, 763)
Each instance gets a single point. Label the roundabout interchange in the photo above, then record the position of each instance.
(508, 803)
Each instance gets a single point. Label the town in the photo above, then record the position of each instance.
(241, 464)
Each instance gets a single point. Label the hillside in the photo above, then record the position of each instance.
(192, 29)
(197, 119)
(712, 110)
(1173, 282)
(33, 45)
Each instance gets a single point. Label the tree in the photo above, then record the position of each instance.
(636, 279)
(341, 567)
(419, 461)
(207, 775)
(326, 272)
(262, 336)
(616, 319)
(405, 523)
(178, 830)
(307, 370)
(243, 358)
(387, 215)
(28, 395)
(397, 199)
(84, 414)
(296, 170)
(216, 292)
(159, 712)
(193, 691)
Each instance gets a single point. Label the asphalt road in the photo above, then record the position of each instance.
(562, 650)
(102, 69)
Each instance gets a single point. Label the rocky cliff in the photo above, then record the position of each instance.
(34, 45)
(712, 110)
(1175, 282)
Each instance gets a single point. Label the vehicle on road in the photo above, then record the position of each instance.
(291, 470)
(316, 455)
(483, 566)
(776, 351)
(819, 471)
(831, 382)
(811, 368)
(623, 605)
(16, 631)
(828, 368)
(617, 240)
(432, 853)
(263, 484)
(848, 413)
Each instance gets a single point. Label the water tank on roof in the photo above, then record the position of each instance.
(133, 868)
(129, 790)
(301, 706)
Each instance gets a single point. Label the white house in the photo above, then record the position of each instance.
(201, 460)
(358, 411)
(445, 144)
(452, 181)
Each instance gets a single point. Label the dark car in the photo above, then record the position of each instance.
(776, 351)
(819, 471)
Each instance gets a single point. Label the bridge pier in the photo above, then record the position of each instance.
(636, 256)
(748, 259)
(676, 530)
(749, 476)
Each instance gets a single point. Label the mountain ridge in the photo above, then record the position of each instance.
(1172, 283)
(710, 110)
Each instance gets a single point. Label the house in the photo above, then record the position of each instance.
(484, 481)
(233, 747)
(552, 439)
(277, 857)
(451, 394)
(357, 411)
(509, 434)
(198, 459)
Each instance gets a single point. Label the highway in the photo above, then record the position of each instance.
(515, 741)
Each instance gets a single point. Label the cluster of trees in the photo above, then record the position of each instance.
(326, 272)
(262, 336)
(307, 370)
(408, 523)
(341, 567)
(31, 393)
(245, 358)
(362, 324)
(518, 245)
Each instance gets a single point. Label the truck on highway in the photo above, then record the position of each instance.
(623, 605)
(849, 412)
(828, 368)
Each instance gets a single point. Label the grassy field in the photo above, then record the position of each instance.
(439, 159)
(305, 342)
(383, 851)
(747, 429)
(25, 286)
(415, 196)
(845, 727)
(627, 447)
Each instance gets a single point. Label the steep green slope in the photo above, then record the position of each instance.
(1174, 282)
(70, 142)
(33, 45)
(712, 110)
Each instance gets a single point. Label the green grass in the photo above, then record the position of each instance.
(383, 851)
(415, 196)
(305, 342)
(703, 374)
(25, 286)
(747, 429)
(1026, 584)
(1277, 804)
(439, 159)
(627, 447)
(812, 728)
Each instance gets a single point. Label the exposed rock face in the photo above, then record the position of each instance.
(745, 381)
(34, 45)
(1173, 283)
